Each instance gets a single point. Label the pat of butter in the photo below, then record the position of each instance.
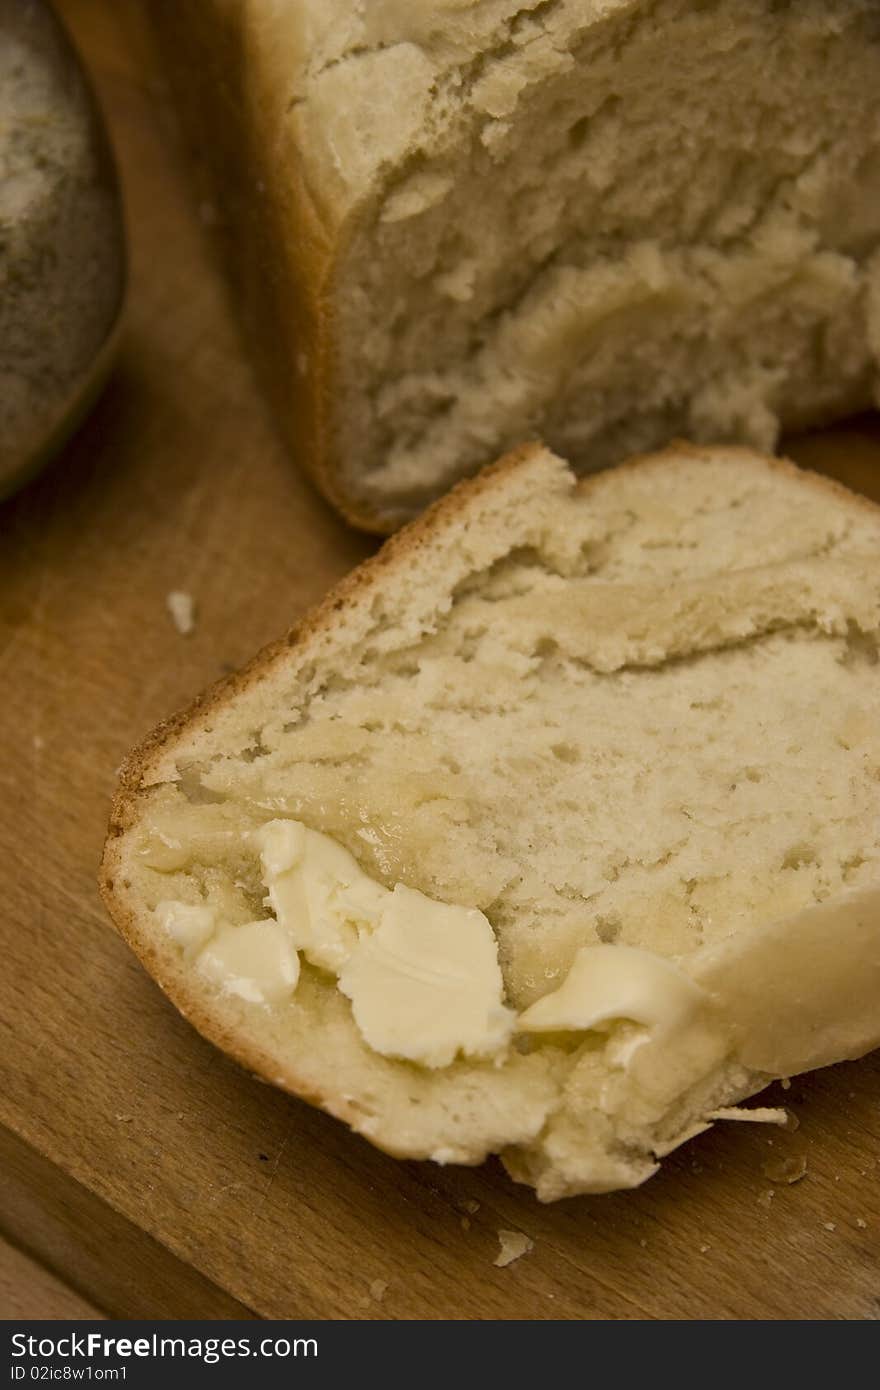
(317, 891)
(422, 976)
(256, 962)
(426, 984)
(610, 984)
(188, 924)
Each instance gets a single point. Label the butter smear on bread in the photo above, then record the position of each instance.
(422, 976)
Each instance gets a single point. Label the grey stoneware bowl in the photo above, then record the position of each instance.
(62, 242)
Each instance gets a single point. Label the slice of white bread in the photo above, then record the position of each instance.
(639, 711)
(454, 224)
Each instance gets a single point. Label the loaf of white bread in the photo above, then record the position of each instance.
(553, 832)
(458, 224)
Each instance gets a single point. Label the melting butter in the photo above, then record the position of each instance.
(256, 962)
(422, 976)
(426, 984)
(318, 891)
(190, 925)
(612, 984)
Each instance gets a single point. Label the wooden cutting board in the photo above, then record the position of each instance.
(139, 1165)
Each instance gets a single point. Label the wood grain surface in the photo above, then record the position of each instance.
(27, 1290)
(151, 1174)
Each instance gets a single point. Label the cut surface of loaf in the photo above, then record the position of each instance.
(631, 725)
(607, 222)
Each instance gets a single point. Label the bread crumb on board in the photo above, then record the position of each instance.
(182, 608)
(513, 1246)
(830, 1225)
(378, 1288)
(762, 1115)
(788, 1169)
(469, 1207)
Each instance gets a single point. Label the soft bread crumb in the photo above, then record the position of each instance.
(861, 1223)
(181, 606)
(829, 1225)
(701, 259)
(378, 1288)
(513, 1246)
